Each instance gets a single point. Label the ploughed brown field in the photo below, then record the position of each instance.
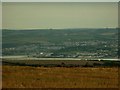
(59, 77)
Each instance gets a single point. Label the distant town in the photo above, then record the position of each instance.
(73, 43)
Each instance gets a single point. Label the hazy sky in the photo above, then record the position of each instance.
(59, 15)
(60, 0)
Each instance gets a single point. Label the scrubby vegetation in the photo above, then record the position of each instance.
(62, 63)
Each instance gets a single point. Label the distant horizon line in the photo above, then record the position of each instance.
(57, 28)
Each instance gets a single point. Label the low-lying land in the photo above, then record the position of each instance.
(59, 77)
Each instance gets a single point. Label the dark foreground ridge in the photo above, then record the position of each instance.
(62, 63)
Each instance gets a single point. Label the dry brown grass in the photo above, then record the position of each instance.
(59, 77)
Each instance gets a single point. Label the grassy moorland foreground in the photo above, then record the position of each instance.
(59, 77)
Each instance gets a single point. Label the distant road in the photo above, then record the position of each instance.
(29, 58)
